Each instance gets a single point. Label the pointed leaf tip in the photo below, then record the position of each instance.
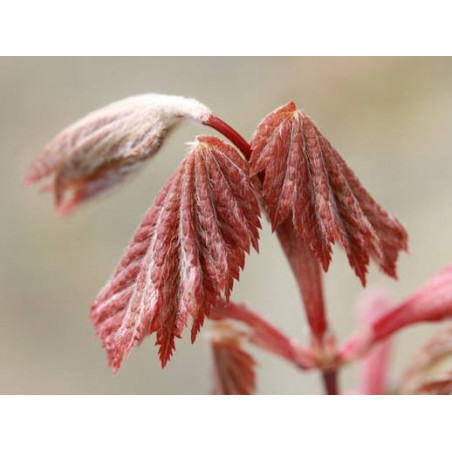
(304, 178)
(185, 254)
(103, 148)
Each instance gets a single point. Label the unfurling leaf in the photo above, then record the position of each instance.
(101, 149)
(185, 255)
(305, 179)
(430, 370)
(234, 368)
(430, 303)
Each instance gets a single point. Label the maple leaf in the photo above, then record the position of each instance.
(304, 178)
(185, 254)
(234, 368)
(101, 149)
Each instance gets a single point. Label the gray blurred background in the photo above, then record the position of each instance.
(389, 117)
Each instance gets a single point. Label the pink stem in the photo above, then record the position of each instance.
(431, 303)
(266, 336)
(374, 370)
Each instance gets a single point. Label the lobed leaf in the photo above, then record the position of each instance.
(184, 256)
(305, 179)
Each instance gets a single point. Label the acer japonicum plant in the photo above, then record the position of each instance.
(189, 249)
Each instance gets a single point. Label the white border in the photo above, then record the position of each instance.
(208, 423)
(232, 27)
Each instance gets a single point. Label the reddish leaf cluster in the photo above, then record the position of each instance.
(191, 245)
(101, 149)
(185, 255)
(305, 178)
(234, 368)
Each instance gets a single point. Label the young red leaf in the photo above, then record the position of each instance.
(426, 371)
(305, 179)
(234, 368)
(185, 255)
(431, 303)
(100, 150)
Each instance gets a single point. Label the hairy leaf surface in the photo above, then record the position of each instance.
(304, 178)
(101, 149)
(185, 255)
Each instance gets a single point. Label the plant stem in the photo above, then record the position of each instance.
(230, 133)
(307, 272)
(330, 382)
(267, 336)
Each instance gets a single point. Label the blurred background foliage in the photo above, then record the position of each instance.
(389, 117)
